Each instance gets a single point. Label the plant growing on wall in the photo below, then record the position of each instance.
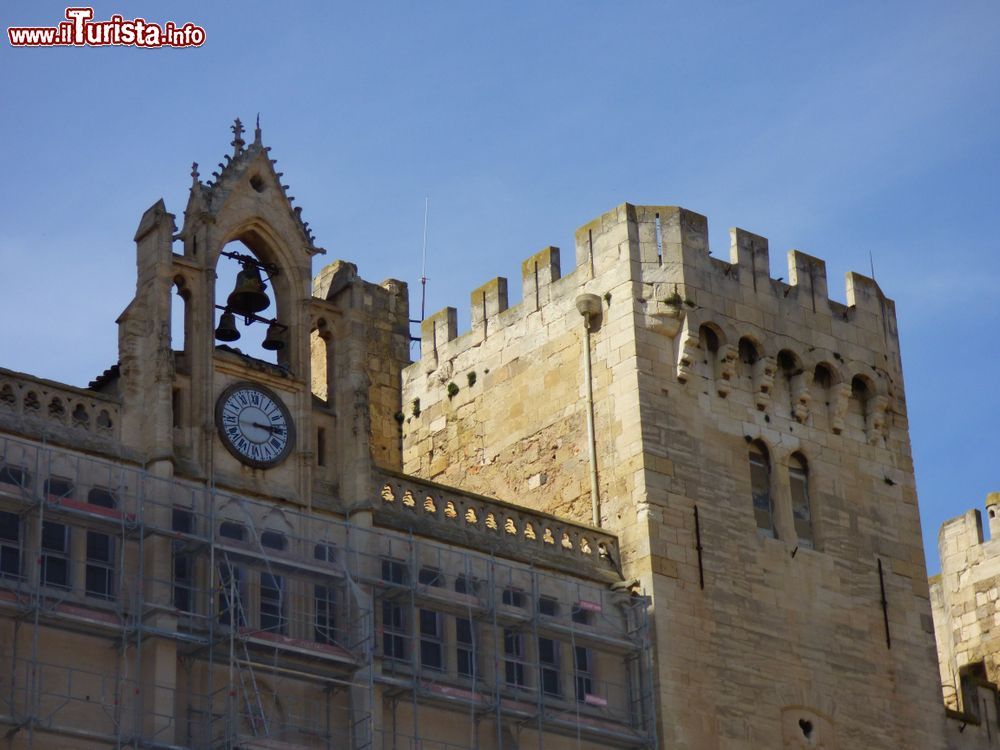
(416, 407)
(452, 389)
(471, 377)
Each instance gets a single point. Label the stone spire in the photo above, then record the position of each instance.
(238, 143)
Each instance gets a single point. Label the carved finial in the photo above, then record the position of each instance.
(238, 143)
(194, 172)
(256, 132)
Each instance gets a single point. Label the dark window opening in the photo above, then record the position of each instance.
(548, 659)
(709, 339)
(760, 487)
(273, 540)
(465, 585)
(14, 475)
(548, 606)
(325, 552)
(100, 573)
(175, 405)
(513, 649)
(584, 673)
(233, 530)
(798, 480)
(748, 352)
(102, 497)
(58, 488)
(326, 623)
(822, 376)
(465, 651)
(10, 545)
(580, 615)
(430, 577)
(393, 571)
(393, 616)
(55, 555)
(431, 640)
(513, 598)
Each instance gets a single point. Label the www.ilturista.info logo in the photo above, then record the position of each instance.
(79, 30)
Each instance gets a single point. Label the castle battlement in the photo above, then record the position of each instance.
(662, 253)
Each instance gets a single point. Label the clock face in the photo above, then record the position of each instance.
(254, 425)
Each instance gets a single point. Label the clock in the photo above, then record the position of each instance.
(254, 425)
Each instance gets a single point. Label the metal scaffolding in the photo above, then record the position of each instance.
(156, 612)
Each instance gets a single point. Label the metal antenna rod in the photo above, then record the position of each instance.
(871, 262)
(423, 265)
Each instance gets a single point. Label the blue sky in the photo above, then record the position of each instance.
(839, 129)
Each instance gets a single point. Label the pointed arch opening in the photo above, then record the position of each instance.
(760, 489)
(247, 303)
(798, 482)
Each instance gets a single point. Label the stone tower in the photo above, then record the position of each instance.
(750, 448)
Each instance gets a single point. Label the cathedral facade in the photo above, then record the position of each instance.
(663, 501)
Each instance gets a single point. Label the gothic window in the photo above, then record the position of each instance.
(760, 488)
(798, 480)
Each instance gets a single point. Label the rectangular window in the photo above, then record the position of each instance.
(548, 659)
(393, 619)
(465, 648)
(325, 598)
(10, 545)
(513, 597)
(13, 475)
(100, 578)
(548, 606)
(231, 595)
(584, 673)
(513, 649)
(431, 640)
(465, 651)
(182, 521)
(431, 626)
(55, 555)
(272, 603)
(58, 489)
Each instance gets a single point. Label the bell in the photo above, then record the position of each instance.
(273, 340)
(227, 327)
(248, 295)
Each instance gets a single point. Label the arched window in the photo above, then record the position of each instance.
(798, 481)
(760, 488)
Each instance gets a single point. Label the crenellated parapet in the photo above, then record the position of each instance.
(653, 262)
